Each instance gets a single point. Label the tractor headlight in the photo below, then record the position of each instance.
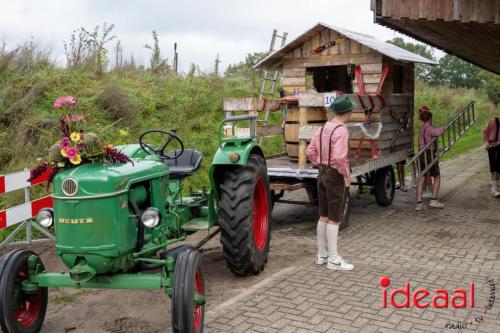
(151, 217)
(45, 217)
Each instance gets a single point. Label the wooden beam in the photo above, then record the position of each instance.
(294, 81)
(239, 104)
(333, 60)
(293, 72)
(302, 143)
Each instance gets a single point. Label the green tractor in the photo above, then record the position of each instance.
(116, 226)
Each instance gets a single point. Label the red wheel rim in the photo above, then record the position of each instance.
(198, 288)
(28, 304)
(260, 214)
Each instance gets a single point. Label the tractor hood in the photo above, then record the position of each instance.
(102, 180)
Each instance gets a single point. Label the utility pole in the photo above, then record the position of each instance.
(176, 64)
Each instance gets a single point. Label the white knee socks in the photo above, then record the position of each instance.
(321, 235)
(332, 233)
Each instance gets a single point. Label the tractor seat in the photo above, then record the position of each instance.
(185, 165)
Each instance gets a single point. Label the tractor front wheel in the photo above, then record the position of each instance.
(188, 296)
(245, 216)
(20, 311)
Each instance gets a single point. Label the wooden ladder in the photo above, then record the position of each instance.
(270, 79)
(455, 129)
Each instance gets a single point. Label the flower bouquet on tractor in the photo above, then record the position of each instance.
(119, 213)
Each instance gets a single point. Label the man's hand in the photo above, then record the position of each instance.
(347, 182)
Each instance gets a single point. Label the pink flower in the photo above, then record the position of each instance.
(71, 152)
(64, 143)
(64, 100)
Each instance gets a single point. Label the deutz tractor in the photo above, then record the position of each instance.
(117, 226)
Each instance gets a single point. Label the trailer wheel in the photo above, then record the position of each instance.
(244, 217)
(20, 311)
(188, 296)
(384, 186)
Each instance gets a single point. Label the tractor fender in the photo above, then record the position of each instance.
(222, 161)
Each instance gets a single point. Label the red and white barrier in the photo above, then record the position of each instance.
(26, 211)
(17, 181)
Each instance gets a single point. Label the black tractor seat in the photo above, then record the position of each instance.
(185, 165)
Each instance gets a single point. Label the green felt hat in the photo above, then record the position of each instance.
(343, 104)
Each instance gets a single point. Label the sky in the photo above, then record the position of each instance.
(202, 29)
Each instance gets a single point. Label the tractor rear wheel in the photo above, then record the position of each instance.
(188, 296)
(245, 217)
(20, 311)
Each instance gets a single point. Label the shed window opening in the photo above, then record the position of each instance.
(331, 78)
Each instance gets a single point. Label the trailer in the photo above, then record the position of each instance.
(316, 67)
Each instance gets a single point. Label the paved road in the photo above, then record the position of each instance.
(433, 249)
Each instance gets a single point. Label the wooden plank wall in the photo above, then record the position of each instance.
(347, 52)
(397, 108)
(481, 11)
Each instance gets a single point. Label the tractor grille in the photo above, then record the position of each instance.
(69, 186)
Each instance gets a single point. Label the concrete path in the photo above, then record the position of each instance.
(432, 249)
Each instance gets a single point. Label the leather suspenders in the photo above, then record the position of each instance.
(329, 147)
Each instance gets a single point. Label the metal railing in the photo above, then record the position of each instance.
(455, 129)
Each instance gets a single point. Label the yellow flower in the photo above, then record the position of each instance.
(63, 152)
(76, 160)
(75, 137)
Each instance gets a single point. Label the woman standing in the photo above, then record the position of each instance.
(491, 138)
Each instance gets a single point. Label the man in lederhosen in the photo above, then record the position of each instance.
(329, 151)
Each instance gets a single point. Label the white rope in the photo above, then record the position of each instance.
(365, 130)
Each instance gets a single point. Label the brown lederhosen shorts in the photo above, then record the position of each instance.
(494, 158)
(332, 193)
(434, 170)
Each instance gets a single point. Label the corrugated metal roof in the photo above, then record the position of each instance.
(384, 48)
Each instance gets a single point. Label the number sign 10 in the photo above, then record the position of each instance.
(329, 98)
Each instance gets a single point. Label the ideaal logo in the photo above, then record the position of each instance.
(421, 298)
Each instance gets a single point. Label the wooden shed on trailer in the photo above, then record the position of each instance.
(327, 61)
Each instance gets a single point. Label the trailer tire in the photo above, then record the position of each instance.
(31, 308)
(384, 186)
(187, 317)
(245, 217)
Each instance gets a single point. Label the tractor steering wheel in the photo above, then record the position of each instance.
(149, 149)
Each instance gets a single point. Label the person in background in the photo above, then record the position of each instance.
(427, 190)
(329, 151)
(400, 167)
(426, 134)
(491, 138)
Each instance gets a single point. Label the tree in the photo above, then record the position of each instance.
(245, 68)
(491, 83)
(422, 72)
(454, 72)
(217, 65)
(157, 64)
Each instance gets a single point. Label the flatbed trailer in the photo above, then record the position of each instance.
(375, 174)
